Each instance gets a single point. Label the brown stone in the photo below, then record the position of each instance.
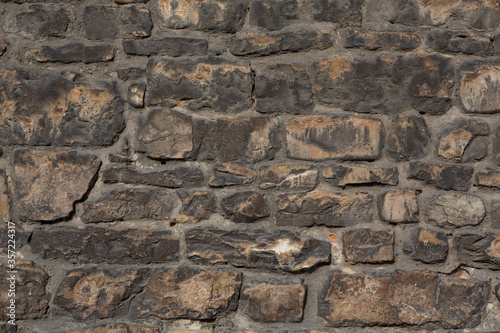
(288, 176)
(444, 176)
(427, 245)
(325, 137)
(369, 246)
(247, 206)
(166, 134)
(129, 204)
(408, 139)
(374, 40)
(454, 141)
(479, 250)
(188, 293)
(135, 94)
(457, 209)
(399, 206)
(4, 198)
(227, 174)
(343, 174)
(322, 208)
(256, 248)
(274, 301)
(488, 178)
(196, 206)
(480, 87)
(3, 48)
(47, 183)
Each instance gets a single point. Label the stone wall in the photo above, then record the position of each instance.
(250, 165)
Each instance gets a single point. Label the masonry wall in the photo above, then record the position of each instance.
(250, 165)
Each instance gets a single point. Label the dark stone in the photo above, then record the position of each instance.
(135, 94)
(427, 245)
(285, 88)
(408, 139)
(388, 14)
(120, 158)
(75, 52)
(373, 40)
(444, 176)
(105, 245)
(272, 14)
(171, 46)
(343, 175)
(479, 89)
(344, 12)
(39, 21)
(256, 248)
(288, 176)
(196, 206)
(101, 22)
(247, 206)
(458, 42)
(130, 73)
(18, 234)
(324, 208)
(456, 142)
(227, 174)
(129, 204)
(369, 246)
(135, 21)
(479, 250)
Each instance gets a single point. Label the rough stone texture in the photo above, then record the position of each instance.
(408, 139)
(106, 22)
(369, 246)
(274, 301)
(247, 206)
(196, 206)
(45, 108)
(288, 176)
(323, 208)
(479, 250)
(324, 137)
(74, 52)
(116, 327)
(479, 87)
(458, 42)
(210, 83)
(495, 151)
(273, 14)
(105, 245)
(188, 293)
(279, 249)
(130, 73)
(344, 12)
(444, 176)
(402, 298)
(399, 206)
(47, 183)
(373, 40)
(227, 174)
(457, 209)
(135, 94)
(285, 88)
(129, 204)
(42, 21)
(4, 198)
(455, 141)
(171, 46)
(427, 245)
(488, 178)
(344, 174)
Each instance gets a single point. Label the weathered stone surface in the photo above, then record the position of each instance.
(3, 48)
(42, 21)
(274, 301)
(273, 14)
(369, 246)
(386, 84)
(171, 46)
(458, 42)
(227, 174)
(74, 52)
(210, 83)
(324, 137)
(42, 108)
(126, 2)
(32, 298)
(105, 245)
(403, 298)
(188, 293)
(247, 206)
(455, 140)
(173, 178)
(495, 214)
(135, 21)
(196, 206)
(283, 88)
(129, 204)
(373, 40)
(96, 293)
(386, 14)
(165, 134)
(399, 206)
(343, 174)
(101, 22)
(130, 73)
(427, 245)
(4, 199)
(294, 176)
(488, 177)
(408, 139)
(457, 209)
(444, 176)
(15, 234)
(216, 15)
(344, 12)
(116, 327)
(135, 94)
(47, 183)
(479, 250)
(248, 139)
(323, 208)
(264, 44)
(259, 248)
(496, 146)
(480, 87)
(120, 157)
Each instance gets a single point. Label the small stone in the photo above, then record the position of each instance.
(274, 301)
(4, 198)
(323, 208)
(75, 52)
(408, 139)
(135, 21)
(48, 183)
(480, 87)
(343, 174)
(369, 246)
(288, 176)
(324, 137)
(457, 209)
(173, 178)
(3, 48)
(101, 22)
(196, 206)
(479, 250)
(427, 245)
(130, 73)
(399, 206)
(373, 40)
(227, 174)
(120, 158)
(444, 176)
(116, 327)
(135, 94)
(247, 206)
(496, 146)
(344, 12)
(256, 248)
(129, 204)
(455, 140)
(458, 42)
(488, 178)
(41, 21)
(273, 14)
(171, 46)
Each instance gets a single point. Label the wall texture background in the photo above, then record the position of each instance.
(261, 165)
